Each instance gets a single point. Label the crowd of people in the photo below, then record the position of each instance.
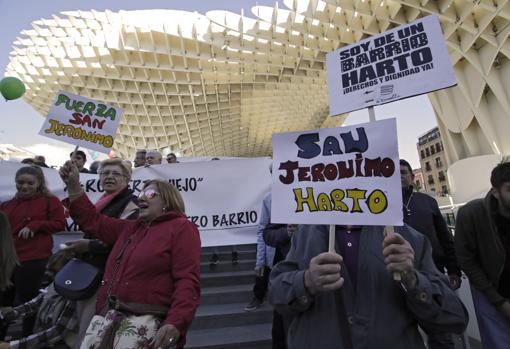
(378, 290)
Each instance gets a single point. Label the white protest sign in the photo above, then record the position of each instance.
(82, 121)
(348, 175)
(403, 62)
(223, 198)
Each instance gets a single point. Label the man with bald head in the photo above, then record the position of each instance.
(153, 157)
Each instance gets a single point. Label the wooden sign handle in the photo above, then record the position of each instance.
(331, 247)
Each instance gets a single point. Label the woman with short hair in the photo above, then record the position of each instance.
(117, 201)
(154, 265)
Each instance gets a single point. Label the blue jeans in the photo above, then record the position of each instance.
(494, 327)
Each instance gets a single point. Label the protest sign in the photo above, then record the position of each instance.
(348, 175)
(82, 121)
(403, 62)
(223, 198)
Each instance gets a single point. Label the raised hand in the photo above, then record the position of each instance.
(71, 177)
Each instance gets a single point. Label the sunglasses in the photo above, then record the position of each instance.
(148, 193)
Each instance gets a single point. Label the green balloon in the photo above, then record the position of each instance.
(12, 88)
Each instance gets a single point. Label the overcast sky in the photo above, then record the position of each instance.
(21, 123)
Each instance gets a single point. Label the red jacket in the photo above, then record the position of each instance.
(160, 265)
(43, 215)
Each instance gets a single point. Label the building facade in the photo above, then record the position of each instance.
(433, 162)
(419, 184)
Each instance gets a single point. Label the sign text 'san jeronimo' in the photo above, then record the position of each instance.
(347, 175)
(406, 61)
(82, 121)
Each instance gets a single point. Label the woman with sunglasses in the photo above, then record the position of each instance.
(155, 260)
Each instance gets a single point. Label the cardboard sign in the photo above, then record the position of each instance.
(403, 62)
(348, 175)
(82, 121)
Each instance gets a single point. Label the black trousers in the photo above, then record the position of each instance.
(27, 278)
(279, 331)
(261, 283)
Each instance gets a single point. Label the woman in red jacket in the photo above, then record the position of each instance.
(34, 214)
(155, 260)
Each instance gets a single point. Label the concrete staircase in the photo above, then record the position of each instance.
(220, 321)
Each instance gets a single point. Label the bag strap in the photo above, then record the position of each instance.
(115, 271)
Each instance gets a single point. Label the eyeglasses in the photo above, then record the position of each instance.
(148, 193)
(111, 173)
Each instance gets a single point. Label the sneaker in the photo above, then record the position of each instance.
(235, 257)
(254, 304)
(215, 259)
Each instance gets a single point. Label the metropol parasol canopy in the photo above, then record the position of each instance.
(222, 83)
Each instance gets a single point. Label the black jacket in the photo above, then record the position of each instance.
(479, 248)
(275, 235)
(422, 213)
(98, 252)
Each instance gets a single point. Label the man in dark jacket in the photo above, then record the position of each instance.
(482, 243)
(422, 213)
(351, 301)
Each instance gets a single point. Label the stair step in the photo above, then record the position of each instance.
(248, 264)
(225, 249)
(226, 256)
(226, 294)
(233, 314)
(245, 337)
(227, 278)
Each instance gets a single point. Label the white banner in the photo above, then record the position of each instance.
(403, 62)
(82, 121)
(348, 175)
(223, 198)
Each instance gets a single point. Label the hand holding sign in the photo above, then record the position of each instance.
(323, 273)
(399, 258)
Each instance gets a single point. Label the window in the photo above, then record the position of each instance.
(427, 166)
(427, 151)
(439, 163)
(432, 149)
(438, 147)
(431, 179)
(442, 177)
(444, 189)
(422, 154)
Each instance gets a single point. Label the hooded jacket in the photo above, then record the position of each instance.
(479, 249)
